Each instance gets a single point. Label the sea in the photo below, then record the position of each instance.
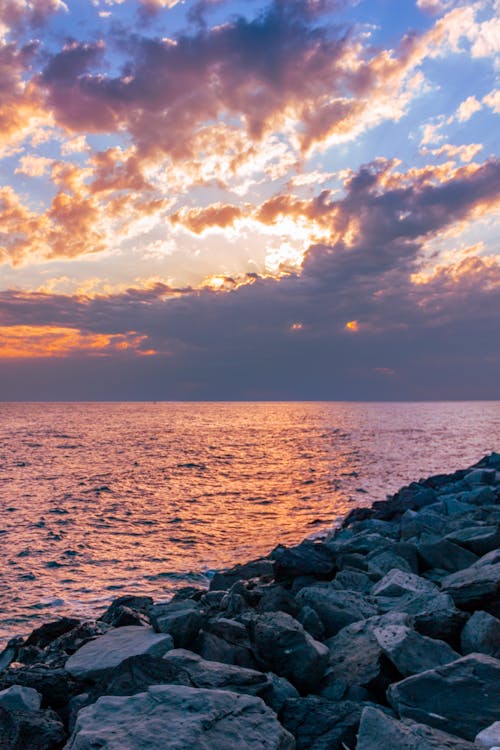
(98, 500)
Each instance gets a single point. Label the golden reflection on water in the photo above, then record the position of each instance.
(101, 499)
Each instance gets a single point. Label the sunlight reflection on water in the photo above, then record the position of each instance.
(97, 500)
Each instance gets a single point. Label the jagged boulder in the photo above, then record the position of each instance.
(461, 698)
(182, 717)
(378, 730)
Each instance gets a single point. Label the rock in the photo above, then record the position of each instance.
(55, 686)
(127, 606)
(445, 555)
(281, 691)
(378, 730)
(107, 651)
(308, 558)
(481, 634)
(281, 645)
(19, 698)
(480, 476)
(478, 539)
(320, 724)
(182, 620)
(414, 524)
(474, 586)
(489, 737)
(382, 562)
(311, 622)
(352, 580)
(215, 648)
(223, 580)
(194, 671)
(434, 615)
(481, 496)
(356, 660)
(411, 652)
(9, 654)
(460, 698)
(274, 598)
(182, 717)
(336, 608)
(397, 583)
(30, 730)
(45, 634)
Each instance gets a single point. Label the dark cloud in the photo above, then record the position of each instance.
(288, 338)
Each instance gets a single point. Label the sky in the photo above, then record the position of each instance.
(269, 199)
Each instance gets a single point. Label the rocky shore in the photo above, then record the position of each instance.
(385, 633)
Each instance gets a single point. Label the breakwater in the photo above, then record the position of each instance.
(386, 631)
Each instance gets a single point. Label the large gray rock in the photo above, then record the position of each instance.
(398, 583)
(411, 652)
(489, 737)
(474, 586)
(445, 555)
(460, 698)
(481, 634)
(180, 718)
(356, 659)
(19, 698)
(281, 645)
(434, 615)
(478, 539)
(30, 730)
(55, 686)
(182, 620)
(377, 730)
(320, 724)
(336, 608)
(307, 558)
(107, 651)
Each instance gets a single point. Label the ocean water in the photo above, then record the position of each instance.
(99, 500)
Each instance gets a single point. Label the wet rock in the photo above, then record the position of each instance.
(45, 634)
(336, 608)
(223, 580)
(377, 730)
(182, 620)
(30, 730)
(107, 651)
(460, 698)
(397, 583)
(352, 580)
(308, 558)
(434, 615)
(215, 648)
(477, 539)
(489, 737)
(183, 717)
(320, 724)
(9, 654)
(382, 562)
(480, 476)
(474, 586)
(55, 686)
(481, 634)
(281, 645)
(311, 622)
(19, 698)
(411, 652)
(445, 555)
(275, 598)
(356, 660)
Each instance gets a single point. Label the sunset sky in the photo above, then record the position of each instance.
(272, 199)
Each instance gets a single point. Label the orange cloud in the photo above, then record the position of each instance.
(26, 342)
(197, 220)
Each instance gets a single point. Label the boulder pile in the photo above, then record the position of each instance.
(384, 633)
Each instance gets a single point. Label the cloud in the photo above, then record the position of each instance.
(34, 342)
(197, 220)
(467, 108)
(362, 310)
